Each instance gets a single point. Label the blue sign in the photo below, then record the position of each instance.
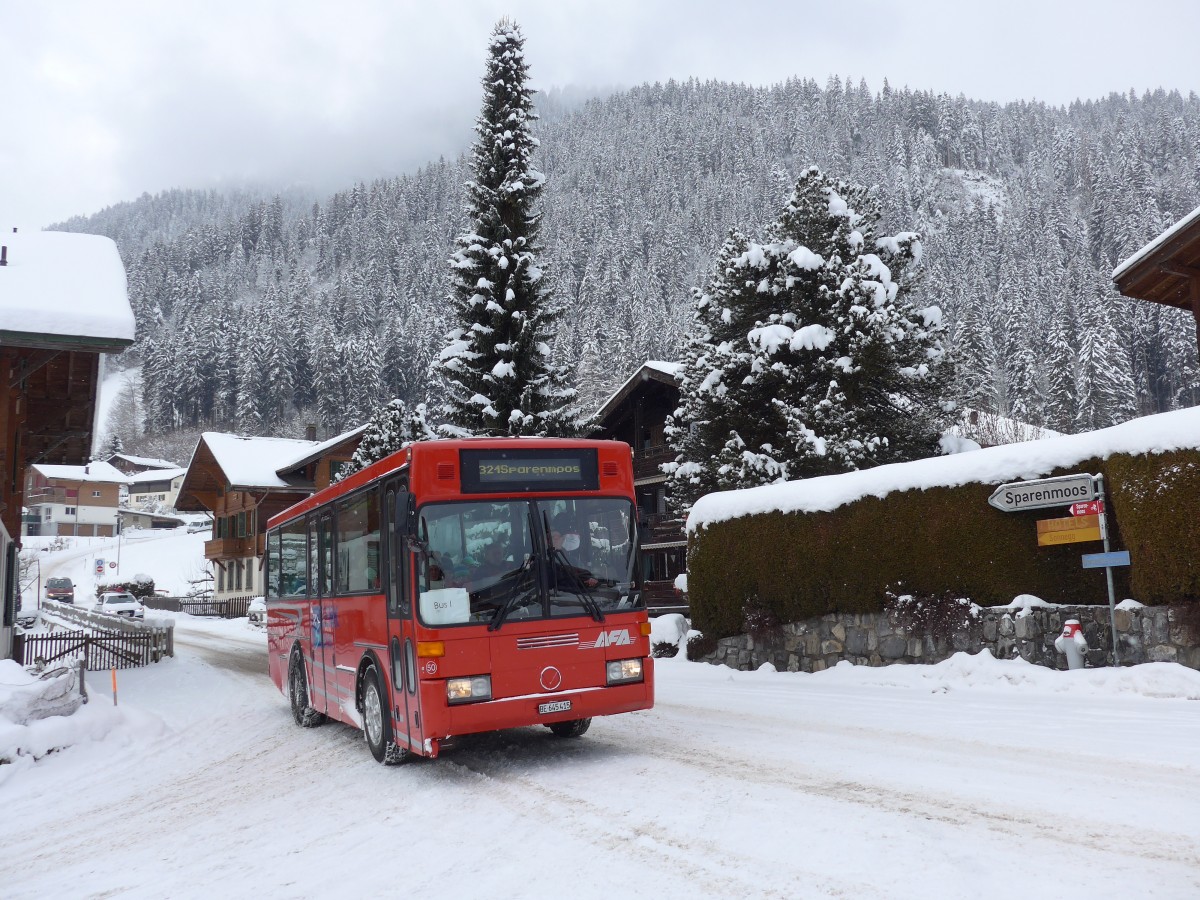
(1106, 560)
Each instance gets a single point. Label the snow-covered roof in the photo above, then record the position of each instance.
(66, 286)
(254, 461)
(994, 465)
(315, 450)
(154, 475)
(94, 471)
(1179, 226)
(145, 461)
(661, 368)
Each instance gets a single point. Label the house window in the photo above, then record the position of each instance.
(241, 526)
(95, 493)
(49, 512)
(237, 574)
(69, 510)
(250, 575)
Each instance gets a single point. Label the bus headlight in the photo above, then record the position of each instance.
(469, 690)
(624, 670)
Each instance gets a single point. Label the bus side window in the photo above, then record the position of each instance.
(314, 559)
(273, 561)
(397, 583)
(326, 540)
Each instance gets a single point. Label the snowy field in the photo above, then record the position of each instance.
(972, 778)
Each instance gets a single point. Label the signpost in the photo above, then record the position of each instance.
(1088, 521)
(1106, 560)
(1019, 496)
(1071, 530)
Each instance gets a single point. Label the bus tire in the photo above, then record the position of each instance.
(572, 729)
(302, 708)
(377, 724)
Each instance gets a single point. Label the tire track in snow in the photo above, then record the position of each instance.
(1151, 845)
(712, 868)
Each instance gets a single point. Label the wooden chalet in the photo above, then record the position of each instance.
(637, 414)
(63, 303)
(242, 482)
(135, 465)
(1167, 270)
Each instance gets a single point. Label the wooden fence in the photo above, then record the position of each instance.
(110, 643)
(111, 650)
(234, 608)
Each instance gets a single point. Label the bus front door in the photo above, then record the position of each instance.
(324, 614)
(402, 651)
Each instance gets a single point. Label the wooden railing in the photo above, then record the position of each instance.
(660, 528)
(646, 461)
(661, 597)
(108, 643)
(233, 608)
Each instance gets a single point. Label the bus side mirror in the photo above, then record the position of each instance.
(406, 514)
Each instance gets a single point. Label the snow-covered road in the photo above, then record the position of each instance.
(973, 778)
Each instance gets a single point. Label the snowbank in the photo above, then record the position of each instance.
(25, 697)
(983, 672)
(1176, 430)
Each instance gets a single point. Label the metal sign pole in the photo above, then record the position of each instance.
(1112, 597)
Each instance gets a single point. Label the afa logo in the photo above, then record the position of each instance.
(615, 638)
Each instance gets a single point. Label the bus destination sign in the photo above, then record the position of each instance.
(486, 471)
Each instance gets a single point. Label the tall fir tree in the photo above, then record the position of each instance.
(809, 356)
(496, 368)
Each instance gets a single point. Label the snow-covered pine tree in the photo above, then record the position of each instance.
(807, 356)
(392, 428)
(112, 445)
(496, 368)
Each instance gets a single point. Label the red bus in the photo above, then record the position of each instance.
(462, 586)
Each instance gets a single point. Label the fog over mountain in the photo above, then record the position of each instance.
(259, 311)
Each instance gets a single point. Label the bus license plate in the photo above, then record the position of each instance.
(554, 707)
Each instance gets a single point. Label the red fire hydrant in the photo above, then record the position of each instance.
(1072, 643)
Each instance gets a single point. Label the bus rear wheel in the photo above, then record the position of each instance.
(377, 724)
(572, 729)
(302, 709)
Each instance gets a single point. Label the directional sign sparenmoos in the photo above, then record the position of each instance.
(1045, 492)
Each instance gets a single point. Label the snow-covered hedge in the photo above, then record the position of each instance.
(838, 544)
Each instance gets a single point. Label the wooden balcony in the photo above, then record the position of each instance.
(235, 548)
(229, 548)
(660, 529)
(661, 597)
(646, 461)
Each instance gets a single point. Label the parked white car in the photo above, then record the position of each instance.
(119, 603)
(257, 614)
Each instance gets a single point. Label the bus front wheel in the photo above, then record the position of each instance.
(377, 724)
(302, 709)
(573, 728)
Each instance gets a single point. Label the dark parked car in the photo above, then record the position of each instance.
(60, 589)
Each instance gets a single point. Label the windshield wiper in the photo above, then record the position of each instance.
(510, 602)
(589, 599)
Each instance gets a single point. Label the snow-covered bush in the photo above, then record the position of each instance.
(140, 585)
(937, 616)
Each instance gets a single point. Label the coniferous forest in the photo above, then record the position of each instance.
(258, 312)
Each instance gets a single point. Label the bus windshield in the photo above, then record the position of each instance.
(496, 561)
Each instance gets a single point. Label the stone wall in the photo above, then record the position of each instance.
(1145, 634)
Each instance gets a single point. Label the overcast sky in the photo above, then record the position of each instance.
(100, 101)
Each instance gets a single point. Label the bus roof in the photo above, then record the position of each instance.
(415, 452)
